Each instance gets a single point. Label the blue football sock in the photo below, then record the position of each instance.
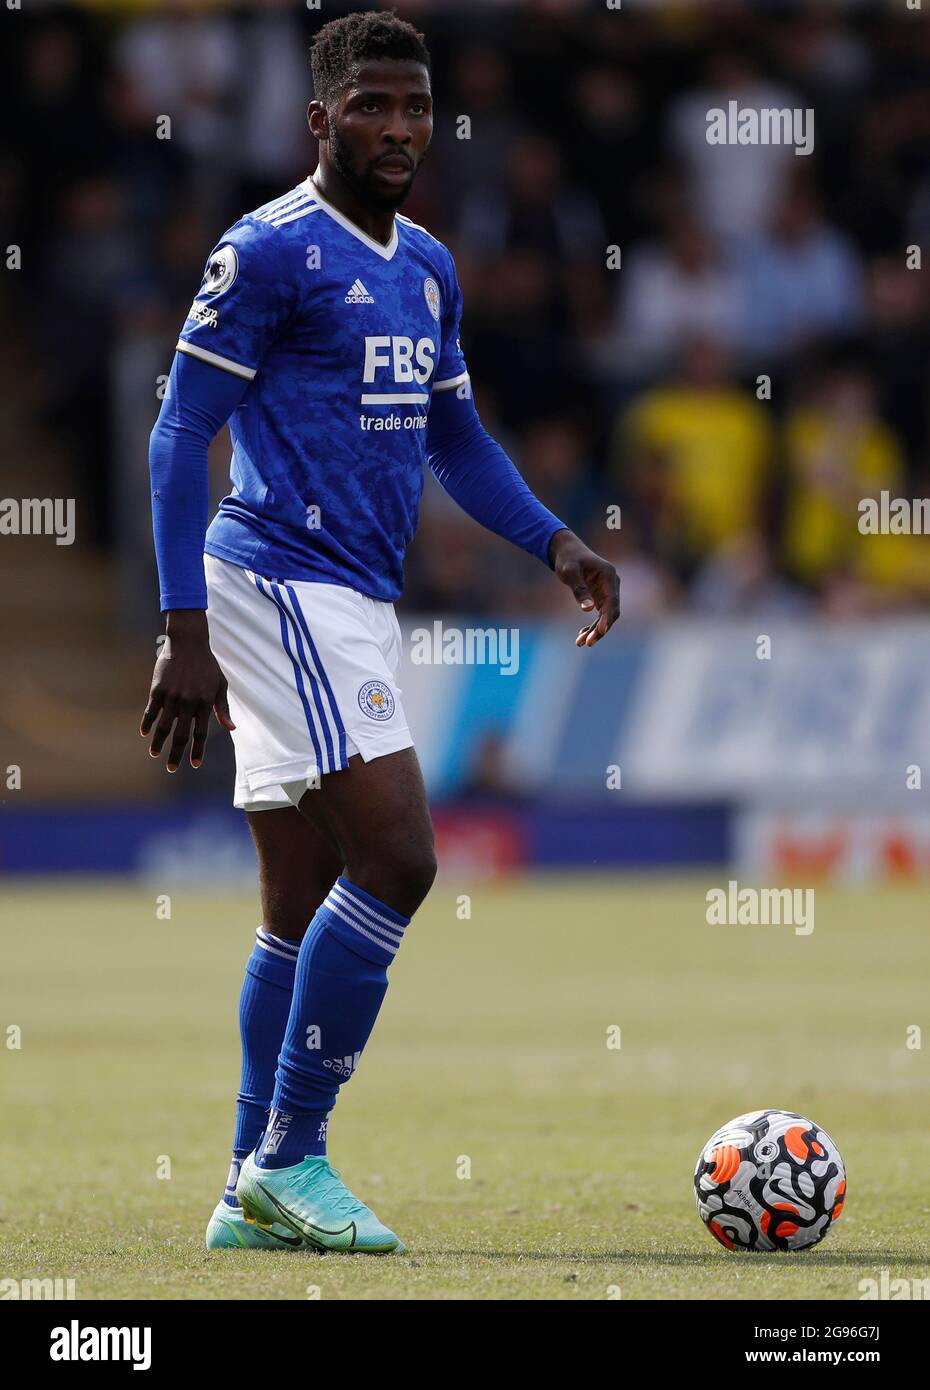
(341, 981)
(264, 1005)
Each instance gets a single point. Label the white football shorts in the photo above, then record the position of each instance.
(312, 674)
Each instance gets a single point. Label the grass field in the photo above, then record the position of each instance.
(491, 1045)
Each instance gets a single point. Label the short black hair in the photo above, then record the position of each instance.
(342, 45)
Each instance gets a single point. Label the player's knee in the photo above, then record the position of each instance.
(401, 876)
(422, 871)
(413, 871)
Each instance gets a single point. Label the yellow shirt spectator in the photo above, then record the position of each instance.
(710, 446)
(832, 464)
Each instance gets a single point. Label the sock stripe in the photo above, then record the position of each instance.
(277, 945)
(381, 941)
(347, 911)
(229, 1192)
(371, 905)
(367, 914)
(286, 943)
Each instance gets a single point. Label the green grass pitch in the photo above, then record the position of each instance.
(491, 1050)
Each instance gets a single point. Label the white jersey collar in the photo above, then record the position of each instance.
(386, 252)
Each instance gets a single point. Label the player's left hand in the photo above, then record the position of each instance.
(594, 582)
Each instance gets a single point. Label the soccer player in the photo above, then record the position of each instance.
(326, 331)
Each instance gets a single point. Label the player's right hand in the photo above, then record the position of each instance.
(186, 684)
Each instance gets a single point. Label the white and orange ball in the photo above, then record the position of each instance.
(769, 1180)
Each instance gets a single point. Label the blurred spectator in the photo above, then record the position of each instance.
(822, 51)
(272, 144)
(696, 455)
(740, 577)
(184, 63)
(671, 290)
(56, 106)
(479, 88)
(540, 215)
(150, 172)
(899, 350)
(612, 148)
(801, 280)
(552, 457)
(538, 210)
(735, 188)
(90, 267)
(59, 96)
(512, 332)
(838, 451)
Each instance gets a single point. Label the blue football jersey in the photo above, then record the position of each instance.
(343, 340)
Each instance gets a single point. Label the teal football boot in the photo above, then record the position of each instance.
(229, 1230)
(312, 1201)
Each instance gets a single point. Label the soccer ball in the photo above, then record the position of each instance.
(769, 1180)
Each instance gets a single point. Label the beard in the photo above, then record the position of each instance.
(365, 187)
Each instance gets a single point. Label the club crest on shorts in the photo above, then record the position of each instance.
(375, 700)
(431, 295)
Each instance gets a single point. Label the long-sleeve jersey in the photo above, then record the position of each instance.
(337, 362)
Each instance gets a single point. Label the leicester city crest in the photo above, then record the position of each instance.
(431, 295)
(376, 700)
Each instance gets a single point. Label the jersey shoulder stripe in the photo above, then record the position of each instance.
(286, 210)
(302, 210)
(291, 206)
(275, 209)
(279, 205)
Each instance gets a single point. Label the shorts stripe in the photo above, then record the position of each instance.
(285, 618)
(312, 668)
(332, 765)
(343, 760)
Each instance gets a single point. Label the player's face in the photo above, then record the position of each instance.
(380, 130)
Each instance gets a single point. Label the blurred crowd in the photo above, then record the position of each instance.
(725, 347)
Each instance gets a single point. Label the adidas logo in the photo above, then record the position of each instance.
(343, 1066)
(359, 295)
